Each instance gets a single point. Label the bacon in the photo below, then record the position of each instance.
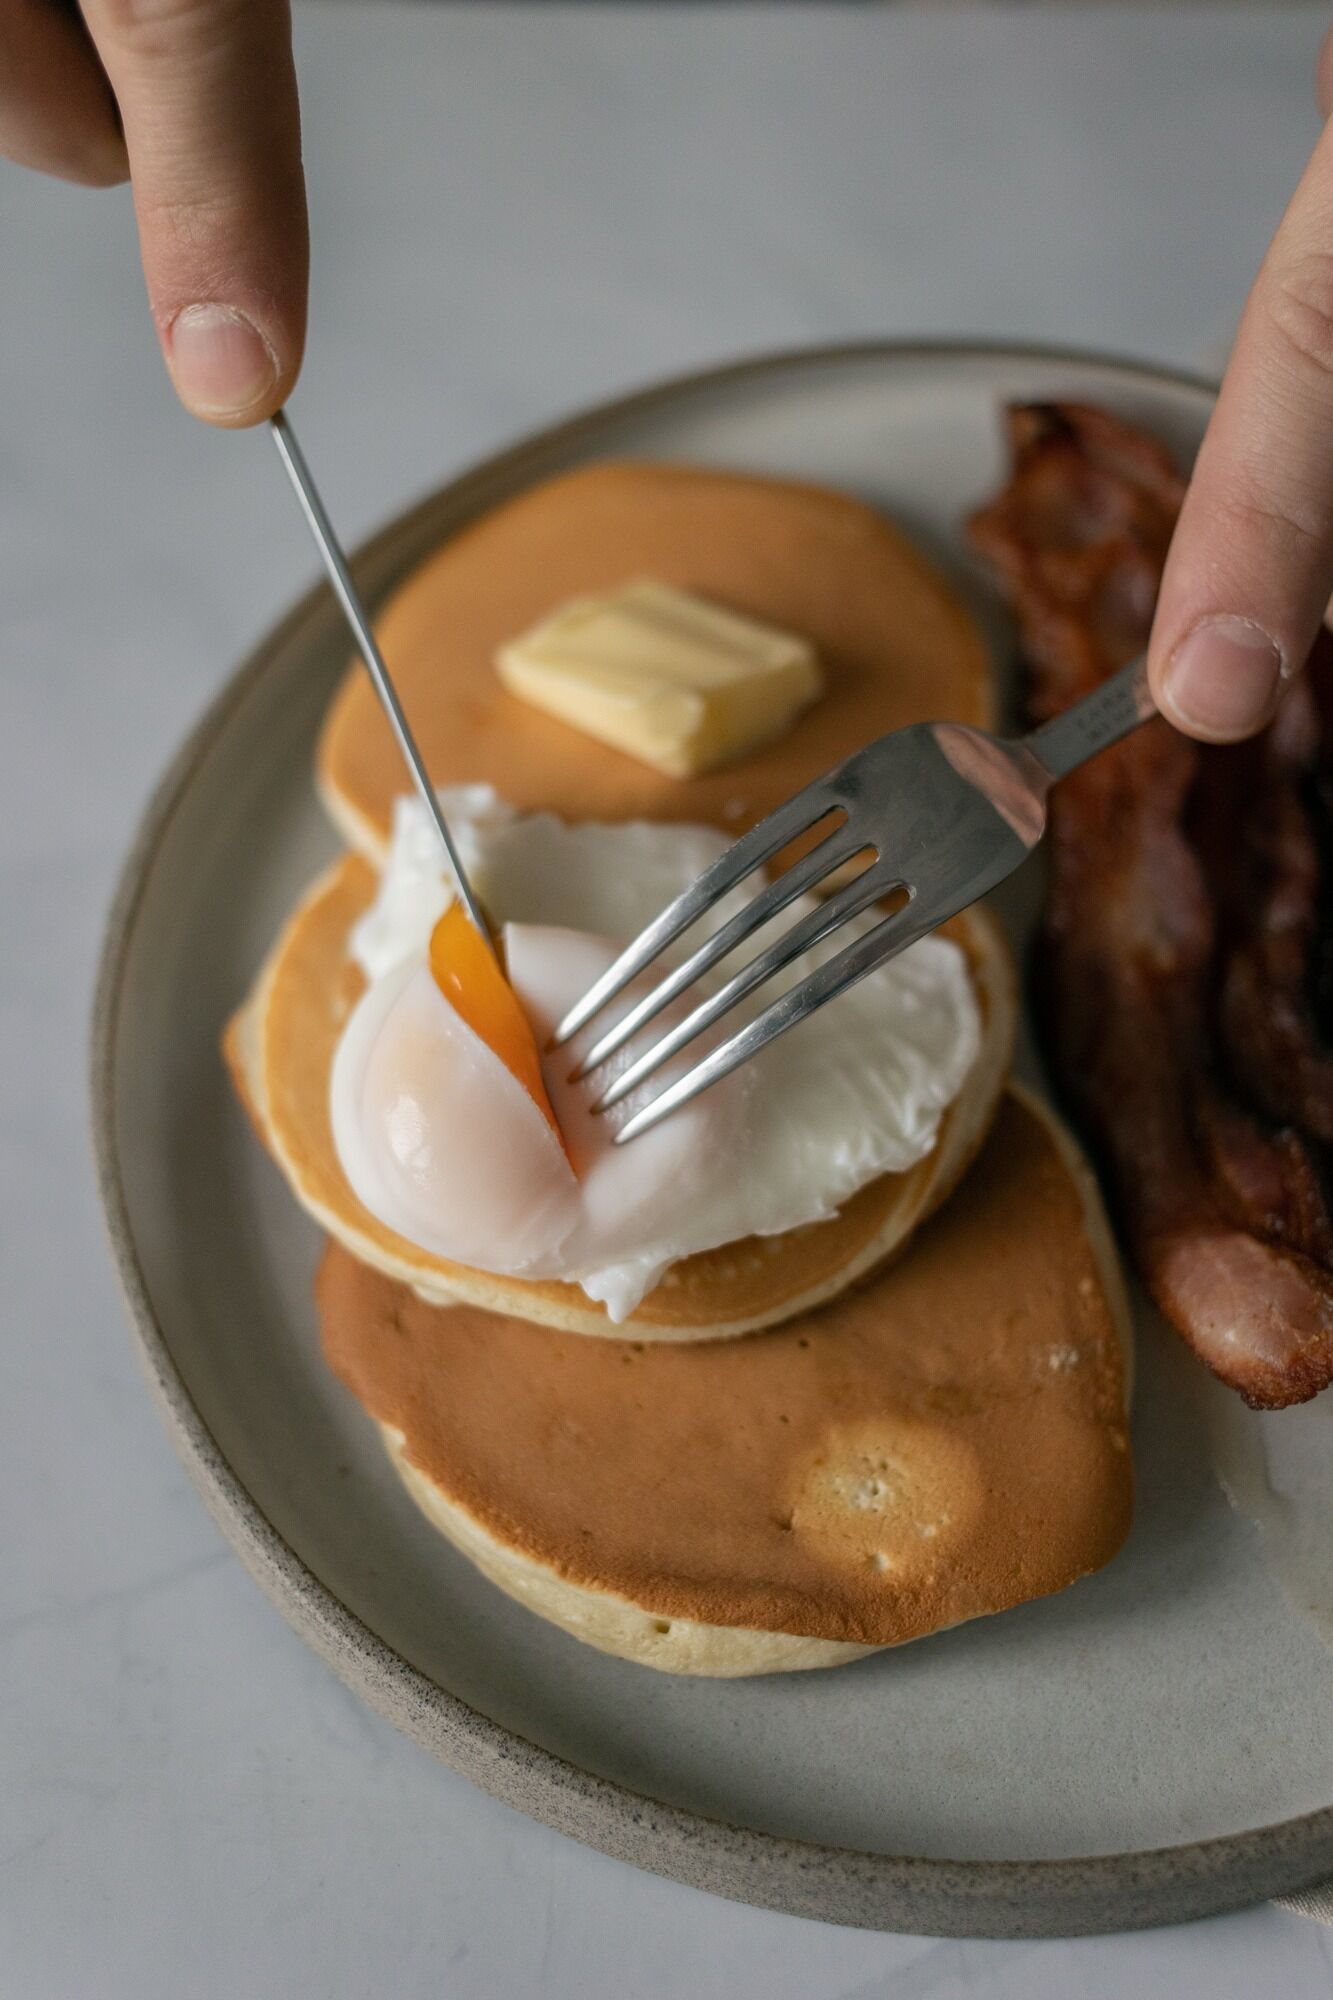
(1256, 831)
(1180, 930)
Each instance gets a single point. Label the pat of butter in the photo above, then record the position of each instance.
(663, 675)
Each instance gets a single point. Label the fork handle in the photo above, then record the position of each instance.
(1100, 719)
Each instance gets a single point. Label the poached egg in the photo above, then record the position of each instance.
(461, 1131)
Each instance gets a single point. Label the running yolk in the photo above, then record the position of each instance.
(468, 974)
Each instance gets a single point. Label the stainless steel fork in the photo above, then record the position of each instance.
(943, 812)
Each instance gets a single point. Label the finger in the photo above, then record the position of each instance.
(207, 95)
(1323, 75)
(56, 109)
(1251, 565)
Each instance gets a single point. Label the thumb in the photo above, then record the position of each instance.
(207, 97)
(1250, 569)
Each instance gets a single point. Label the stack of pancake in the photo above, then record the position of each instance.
(801, 1447)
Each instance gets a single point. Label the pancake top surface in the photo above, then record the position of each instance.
(949, 1441)
(895, 644)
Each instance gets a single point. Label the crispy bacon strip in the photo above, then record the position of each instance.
(1224, 1210)
(1255, 832)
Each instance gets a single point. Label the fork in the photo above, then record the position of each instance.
(943, 811)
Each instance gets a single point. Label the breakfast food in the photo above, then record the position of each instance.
(663, 675)
(1181, 945)
(824, 1411)
(769, 1194)
(941, 1444)
(894, 644)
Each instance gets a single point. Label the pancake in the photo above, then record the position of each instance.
(944, 1443)
(280, 1050)
(895, 644)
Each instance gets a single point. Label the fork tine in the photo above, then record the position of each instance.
(851, 964)
(760, 844)
(848, 902)
(832, 851)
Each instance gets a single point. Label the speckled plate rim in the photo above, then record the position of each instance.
(995, 1899)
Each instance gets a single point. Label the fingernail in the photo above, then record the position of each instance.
(1223, 678)
(220, 362)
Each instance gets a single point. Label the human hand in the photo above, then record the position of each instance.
(194, 101)
(1250, 571)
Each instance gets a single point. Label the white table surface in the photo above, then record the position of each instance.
(513, 211)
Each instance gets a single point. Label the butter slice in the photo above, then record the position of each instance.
(663, 675)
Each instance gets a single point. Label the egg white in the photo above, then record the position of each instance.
(445, 1147)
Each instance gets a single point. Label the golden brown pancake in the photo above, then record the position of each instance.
(280, 1049)
(895, 644)
(943, 1443)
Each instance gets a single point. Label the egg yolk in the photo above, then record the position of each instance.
(468, 974)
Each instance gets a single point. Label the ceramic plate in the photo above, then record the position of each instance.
(1155, 1743)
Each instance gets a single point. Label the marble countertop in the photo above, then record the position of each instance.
(514, 211)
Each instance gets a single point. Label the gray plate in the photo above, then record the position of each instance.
(1154, 1744)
